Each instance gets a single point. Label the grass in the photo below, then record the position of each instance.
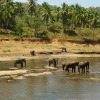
(21, 48)
(27, 46)
(6, 51)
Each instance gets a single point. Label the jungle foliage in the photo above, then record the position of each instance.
(46, 21)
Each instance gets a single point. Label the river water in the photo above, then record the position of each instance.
(59, 85)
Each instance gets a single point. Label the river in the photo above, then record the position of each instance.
(59, 85)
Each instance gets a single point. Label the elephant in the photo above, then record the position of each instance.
(53, 61)
(32, 53)
(20, 61)
(84, 66)
(64, 65)
(67, 65)
(63, 49)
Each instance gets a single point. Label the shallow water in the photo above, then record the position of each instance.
(57, 86)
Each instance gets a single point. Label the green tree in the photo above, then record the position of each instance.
(64, 16)
(32, 7)
(19, 9)
(46, 13)
(79, 17)
(7, 14)
(31, 17)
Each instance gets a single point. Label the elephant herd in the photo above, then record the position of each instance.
(66, 65)
(83, 66)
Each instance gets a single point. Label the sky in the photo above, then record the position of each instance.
(84, 3)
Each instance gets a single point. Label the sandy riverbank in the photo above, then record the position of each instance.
(11, 48)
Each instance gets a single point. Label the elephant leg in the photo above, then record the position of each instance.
(55, 65)
(21, 65)
(49, 63)
(87, 68)
(68, 70)
(84, 69)
(25, 65)
(73, 69)
(14, 65)
(78, 69)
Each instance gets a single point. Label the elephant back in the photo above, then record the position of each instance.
(23, 60)
(81, 63)
(73, 63)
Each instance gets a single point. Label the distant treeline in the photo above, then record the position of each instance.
(34, 20)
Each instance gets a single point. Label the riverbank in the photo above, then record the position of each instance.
(27, 57)
(11, 49)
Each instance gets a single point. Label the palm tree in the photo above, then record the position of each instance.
(58, 13)
(46, 12)
(32, 6)
(19, 10)
(30, 18)
(64, 15)
(37, 20)
(79, 17)
(94, 21)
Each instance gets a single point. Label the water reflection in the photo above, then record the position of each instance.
(56, 86)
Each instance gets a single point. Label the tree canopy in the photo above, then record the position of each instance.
(37, 20)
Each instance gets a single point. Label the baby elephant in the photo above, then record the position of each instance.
(84, 66)
(53, 61)
(20, 61)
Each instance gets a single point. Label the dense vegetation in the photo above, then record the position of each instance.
(48, 21)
